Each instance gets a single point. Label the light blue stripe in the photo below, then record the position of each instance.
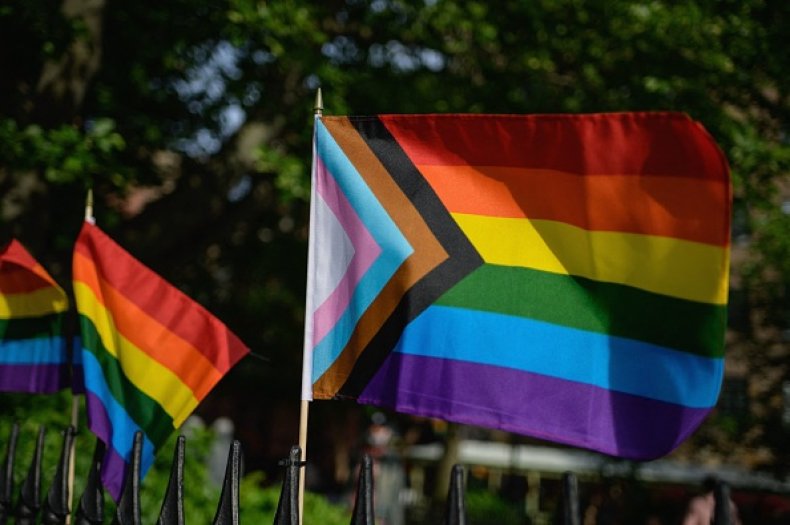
(123, 427)
(394, 248)
(35, 351)
(614, 363)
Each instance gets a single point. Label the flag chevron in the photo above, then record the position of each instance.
(585, 255)
(150, 354)
(441, 254)
(338, 177)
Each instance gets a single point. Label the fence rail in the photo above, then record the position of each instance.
(54, 509)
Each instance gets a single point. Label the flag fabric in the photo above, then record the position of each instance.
(559, 276)
(150, 354)
(33, 352)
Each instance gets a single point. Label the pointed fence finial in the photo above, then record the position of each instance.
(172, 512)
(288, 505)
(30, 496)
(455, 513)
(319, 103)
(90, 510)
(228, 508)
(128, 510)
(570, 499)
(56, 506)
(7, 476)
(363, 506)
(722, 512)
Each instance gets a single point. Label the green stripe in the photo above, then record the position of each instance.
(31, 327)
(614, 309)
(146, 412)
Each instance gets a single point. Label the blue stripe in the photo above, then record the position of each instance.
(123, 427)
(614, 363)
(394, 248)
(36, 351)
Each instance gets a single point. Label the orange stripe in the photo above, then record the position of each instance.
(153, 338)
(680, 207)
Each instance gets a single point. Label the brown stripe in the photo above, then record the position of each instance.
(428, 253)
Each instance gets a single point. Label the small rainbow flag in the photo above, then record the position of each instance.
(559, 276)
(150, 353)
(33, 353)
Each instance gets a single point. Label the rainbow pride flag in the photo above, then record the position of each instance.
(33, 353)
(150, 353)
(559, 276)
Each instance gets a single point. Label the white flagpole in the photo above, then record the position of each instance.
(307, 359)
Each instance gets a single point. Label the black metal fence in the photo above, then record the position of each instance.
(53, 509)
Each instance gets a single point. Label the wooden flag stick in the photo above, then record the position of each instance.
(318, 110)
(75, 416)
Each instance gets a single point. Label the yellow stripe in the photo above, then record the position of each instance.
(668, 266)
(145, 373)
(43, 301)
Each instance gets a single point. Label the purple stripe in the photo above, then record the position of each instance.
(113, 472)
(98, 419)
(113, 467)
(548, 408)
(34, 379)
(77, 379)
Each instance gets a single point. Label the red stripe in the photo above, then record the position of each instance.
(20, 272)
(18, 280)
(610, 144)
(160, 300)
(15, 253)
(678, 207)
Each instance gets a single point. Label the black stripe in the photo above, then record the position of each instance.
(463, 258)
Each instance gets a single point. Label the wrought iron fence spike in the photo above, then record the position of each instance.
(363, 506)
(128, 510)
(228, 508)
(455, 512)
(288, 505)
(722, 512)
(90, 510)
(56, 505)
(7, 476)
(172, 512)
(29, 502)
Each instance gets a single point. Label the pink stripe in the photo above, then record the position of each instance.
(366, 250)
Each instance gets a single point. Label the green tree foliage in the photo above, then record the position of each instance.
(192, 122)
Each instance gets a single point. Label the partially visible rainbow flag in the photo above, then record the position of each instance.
(559, 276)
(33, 353)
(150, 353)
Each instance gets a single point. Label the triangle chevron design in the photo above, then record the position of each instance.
(362, 162)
